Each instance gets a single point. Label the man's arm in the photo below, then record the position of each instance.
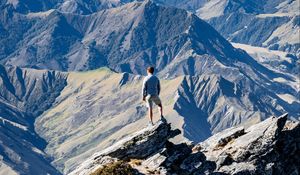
(144, 89)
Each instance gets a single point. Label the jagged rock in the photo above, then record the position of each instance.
(176, 153)
(142, 143)
(224, 159)
(264, 148)
(193, 162)
(239, 168)
(220, 139)
(154, 162)
(240, 144)
(136, 146)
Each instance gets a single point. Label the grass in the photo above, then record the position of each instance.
(136, 162)
(101, 69)
(115, 168)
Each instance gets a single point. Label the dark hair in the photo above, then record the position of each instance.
(150, 69)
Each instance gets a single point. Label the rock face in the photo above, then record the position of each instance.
(269, 147)
(25, 94)
(139, 145)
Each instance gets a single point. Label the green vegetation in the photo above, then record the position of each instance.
(101, 69)
(115, 168)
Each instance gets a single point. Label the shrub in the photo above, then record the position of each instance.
(115, 168)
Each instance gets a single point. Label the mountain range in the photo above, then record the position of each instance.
(71, 73)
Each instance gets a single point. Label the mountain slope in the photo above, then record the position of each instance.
(238, 21)
(271, 24)
(136, 39)
(272, 59)
(24, 95)
(142, 34)
(69, 6)
(137, 30)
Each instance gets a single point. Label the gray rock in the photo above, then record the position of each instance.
(154, 162)
(259, 149)
(239, 169)
(193, 162)
(140, 145)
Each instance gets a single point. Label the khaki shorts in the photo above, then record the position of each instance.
(151, 99)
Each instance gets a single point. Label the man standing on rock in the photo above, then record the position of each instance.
(151, 90)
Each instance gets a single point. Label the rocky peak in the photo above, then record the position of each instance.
(269, 147)
(139, 145)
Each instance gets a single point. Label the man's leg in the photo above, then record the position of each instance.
(159, 104)
(151, 114)
(150, 104)
(160, 110)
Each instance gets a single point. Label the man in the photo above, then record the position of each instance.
(151, 90)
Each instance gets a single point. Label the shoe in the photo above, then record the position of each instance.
(163, 119)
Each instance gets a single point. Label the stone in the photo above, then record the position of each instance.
(269, 147)
(139, 145)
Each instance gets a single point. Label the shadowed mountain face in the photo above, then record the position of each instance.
(238, 21)
(69, 6)
(24, 95)
(271, 24)
(125, 39)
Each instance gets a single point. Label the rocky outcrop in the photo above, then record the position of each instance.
(269, 147)
(139, 145)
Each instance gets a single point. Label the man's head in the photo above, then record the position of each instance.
(150, 70)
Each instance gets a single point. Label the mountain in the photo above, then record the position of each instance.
(269, 147)
(239, 21)
(69, 116)
(271, 24)
(273, 59)
(26, 6)
(55, 117)
(190, 5)
(25, 94)
(69, 6)
(136, 39)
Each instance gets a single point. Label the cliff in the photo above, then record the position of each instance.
(269, 147)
